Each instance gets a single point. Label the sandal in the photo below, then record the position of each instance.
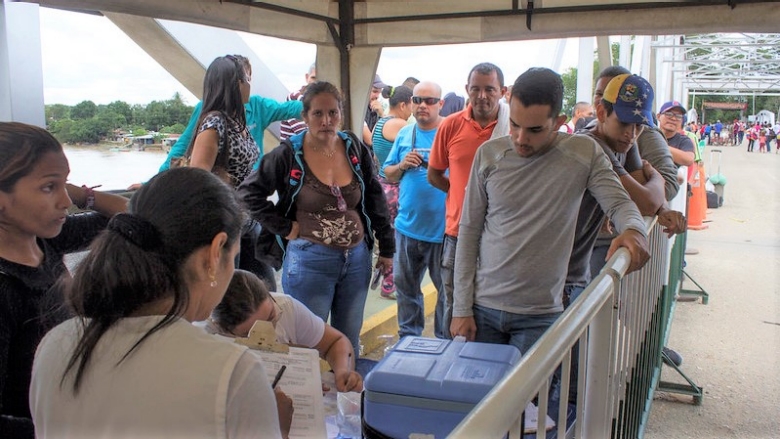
(388, 288)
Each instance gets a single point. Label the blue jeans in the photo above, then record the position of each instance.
(330, 281)
(597, 261)
(572, 292)
(448, 279)
(521, 331)
(412, 257)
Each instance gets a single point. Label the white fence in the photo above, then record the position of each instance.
(619, 322)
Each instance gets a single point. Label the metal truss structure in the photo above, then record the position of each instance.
(724, 64)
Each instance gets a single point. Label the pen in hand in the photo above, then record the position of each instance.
(278, 376)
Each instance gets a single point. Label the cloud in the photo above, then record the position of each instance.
(86, 57)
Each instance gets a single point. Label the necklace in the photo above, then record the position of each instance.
(328, 154)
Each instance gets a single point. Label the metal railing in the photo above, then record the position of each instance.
(620, 322)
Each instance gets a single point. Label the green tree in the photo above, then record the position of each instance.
(56, 112)
(156, 115)
(176, 128)
(123, 108)
(569, 78)
(83, 110)
(61, 130)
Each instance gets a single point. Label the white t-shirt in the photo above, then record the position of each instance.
(297, 325)
(178, 383)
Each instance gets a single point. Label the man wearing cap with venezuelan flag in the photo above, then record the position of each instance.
(624, 111)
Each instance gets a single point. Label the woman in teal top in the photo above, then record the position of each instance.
(385, 131)
(260, 112)
(387, 127)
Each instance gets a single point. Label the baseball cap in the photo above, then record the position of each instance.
(631, 97)
(378, 82)
(672, 105)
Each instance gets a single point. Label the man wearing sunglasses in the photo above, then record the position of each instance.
(419, 225)
(456, 142)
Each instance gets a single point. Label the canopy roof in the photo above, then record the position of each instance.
(350, 34)
(405, 23)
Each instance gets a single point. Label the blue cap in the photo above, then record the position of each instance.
(631, 97)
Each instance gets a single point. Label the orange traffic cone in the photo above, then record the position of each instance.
(697, 202)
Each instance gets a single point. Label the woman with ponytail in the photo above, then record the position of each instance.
(35, 232)
(130, 364)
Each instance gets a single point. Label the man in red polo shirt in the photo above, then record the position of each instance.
(454, 148)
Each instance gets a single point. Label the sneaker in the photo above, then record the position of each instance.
(388, 287)
(671, 357)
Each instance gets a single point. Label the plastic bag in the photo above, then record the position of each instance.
(348, 418)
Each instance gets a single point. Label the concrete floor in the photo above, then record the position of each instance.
(731, 347)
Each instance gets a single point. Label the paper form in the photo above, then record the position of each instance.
(302, 383)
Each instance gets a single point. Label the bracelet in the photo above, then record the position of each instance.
(401, 167)
(89, 197)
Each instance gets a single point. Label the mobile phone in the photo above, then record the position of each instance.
(375, 278)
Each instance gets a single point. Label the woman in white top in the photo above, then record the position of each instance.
(130, 364)
(247, 300)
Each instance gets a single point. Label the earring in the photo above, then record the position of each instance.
(213, 277)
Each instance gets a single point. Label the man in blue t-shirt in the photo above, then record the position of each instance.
(419, 226)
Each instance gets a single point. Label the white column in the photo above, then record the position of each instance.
(21, 68)
(624, 55)
(363, 62)
(605, 52)
(560, 47)
(585, 70)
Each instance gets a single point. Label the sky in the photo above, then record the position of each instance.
(79, 66)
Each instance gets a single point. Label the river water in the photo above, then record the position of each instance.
(94, 166)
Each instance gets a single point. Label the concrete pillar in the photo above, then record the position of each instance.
(21, 68)
(560, 47)
(363, 62)
(605, 52)
(624, 55)
(585, 70)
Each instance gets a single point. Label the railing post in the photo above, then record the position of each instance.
(597, 413)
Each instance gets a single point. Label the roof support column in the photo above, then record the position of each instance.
(21, 66)
(361, 67)
(605, 52)
(585, 70)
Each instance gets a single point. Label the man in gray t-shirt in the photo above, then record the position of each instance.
(513, 251)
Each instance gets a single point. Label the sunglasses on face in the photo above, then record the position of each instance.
(428, 101)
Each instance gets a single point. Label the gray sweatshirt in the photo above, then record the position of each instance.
(518, 222)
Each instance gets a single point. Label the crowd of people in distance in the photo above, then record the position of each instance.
(469, 190)
(735, 133)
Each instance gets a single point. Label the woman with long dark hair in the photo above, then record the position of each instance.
(130, 364)
(35, 232)
(330, 208)
(223, 144)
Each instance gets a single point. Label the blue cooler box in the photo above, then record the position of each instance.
(428, 385)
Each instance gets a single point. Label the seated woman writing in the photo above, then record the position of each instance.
(247, 300)
(130, 364)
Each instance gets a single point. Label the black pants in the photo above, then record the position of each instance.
(246, 259)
